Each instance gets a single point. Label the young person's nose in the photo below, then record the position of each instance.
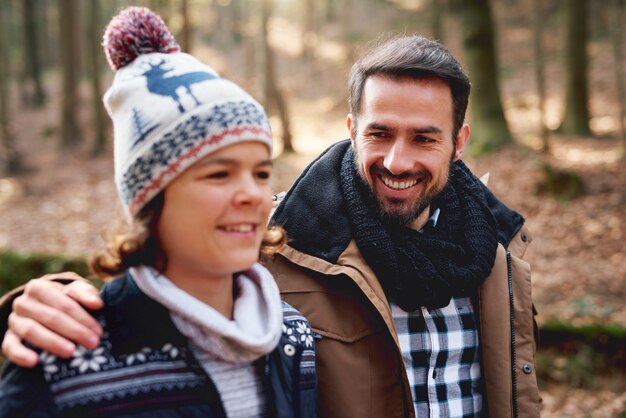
(250, 192)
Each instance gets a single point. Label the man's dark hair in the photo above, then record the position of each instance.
(413, 57)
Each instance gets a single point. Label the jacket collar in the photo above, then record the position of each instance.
(313, 213)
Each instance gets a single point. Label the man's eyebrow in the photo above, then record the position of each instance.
(427, 130)
(376, 126)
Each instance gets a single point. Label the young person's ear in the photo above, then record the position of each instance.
(461, 141)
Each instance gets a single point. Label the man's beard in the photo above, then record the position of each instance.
(399, 211)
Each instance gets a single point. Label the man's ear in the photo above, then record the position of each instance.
(351, 123)
(461, 141)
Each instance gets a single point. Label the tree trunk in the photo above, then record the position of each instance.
(618, 58)
(161, 7)
(348, 31)
(238, 19)
(330, 11)
(576, 119)
(95, 31)
(220, 29)
(186, 29)
(35, 95)
(12, 159)
(250, 46)
(49, 50)
(70, 132)
(273, 96)
(540, 72)
(308, 36)
(437, 12)
(489, 127)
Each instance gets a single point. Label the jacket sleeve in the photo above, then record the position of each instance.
(25, 393)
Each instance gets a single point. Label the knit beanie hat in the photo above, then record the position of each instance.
(169, 110)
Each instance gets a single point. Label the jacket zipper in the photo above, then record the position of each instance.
(512, 320)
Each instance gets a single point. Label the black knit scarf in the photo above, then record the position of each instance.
(425, 268)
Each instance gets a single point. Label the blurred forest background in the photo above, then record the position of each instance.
(548, 114)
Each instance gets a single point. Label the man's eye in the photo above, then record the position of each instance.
(424, 139)
(378, 134)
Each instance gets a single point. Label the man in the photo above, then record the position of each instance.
(407, 267)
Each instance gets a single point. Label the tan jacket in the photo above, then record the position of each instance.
(359, 363)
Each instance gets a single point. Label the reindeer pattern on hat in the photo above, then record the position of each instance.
(158, 82)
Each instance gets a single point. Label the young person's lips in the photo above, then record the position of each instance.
(239, 228)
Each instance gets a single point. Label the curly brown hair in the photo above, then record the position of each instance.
(140, 244)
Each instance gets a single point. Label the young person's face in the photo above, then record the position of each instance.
(403, 142)
(215, 213)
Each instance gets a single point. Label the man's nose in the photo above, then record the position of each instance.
(398, 159)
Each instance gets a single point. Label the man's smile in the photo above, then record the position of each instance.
(398, 185)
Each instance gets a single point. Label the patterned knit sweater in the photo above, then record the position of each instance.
(144, 367)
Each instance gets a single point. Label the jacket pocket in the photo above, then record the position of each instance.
(358, 365)
(335, 307)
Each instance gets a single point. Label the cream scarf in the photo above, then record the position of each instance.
(257, 312)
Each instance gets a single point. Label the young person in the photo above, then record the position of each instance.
(193, 325)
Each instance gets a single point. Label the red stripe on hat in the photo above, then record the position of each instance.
(142, 197)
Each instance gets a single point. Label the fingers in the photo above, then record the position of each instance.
(67, 299)
(84, 293)
(47, 317)
(15, 351)
(40, 336)
(78, 288)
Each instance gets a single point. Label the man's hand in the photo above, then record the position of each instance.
(49, 316)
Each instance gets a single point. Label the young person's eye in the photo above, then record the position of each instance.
(217, 175)
(263, 175)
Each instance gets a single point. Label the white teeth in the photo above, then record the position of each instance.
(239, 228)
(399, 185)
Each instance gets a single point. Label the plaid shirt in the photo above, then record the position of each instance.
(441, 356)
